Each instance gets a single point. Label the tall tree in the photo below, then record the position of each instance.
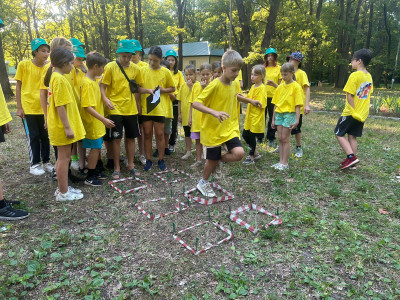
(5, 83)
(271, 20)
(181, 4)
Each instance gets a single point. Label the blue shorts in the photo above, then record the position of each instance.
(285, 119)
(92, 144)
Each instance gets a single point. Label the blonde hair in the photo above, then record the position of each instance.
(287, 67)
(259, 70)
(231, 58)
(60, 42)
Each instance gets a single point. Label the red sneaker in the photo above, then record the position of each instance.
(349, 162)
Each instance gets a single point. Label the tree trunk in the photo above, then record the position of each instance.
(314, 41)
(70, 18)
(371, 16)
(270, 27)
(181, 5)
(140, 23)
(5, 83)
(28, 20)
(355, 23)
(244, 20)
(127, 20)
(83, 27)
(105, 36)
(389, 44)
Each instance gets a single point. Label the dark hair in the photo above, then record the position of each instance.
(59, 57)
(215, 65)
(165, 63)
(33, 52)
(175, 65)
(95, 58)
(266, 59)
(155, 50)
(190, 68)
(364, 54)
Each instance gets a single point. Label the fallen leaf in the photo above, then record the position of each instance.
(383, 212)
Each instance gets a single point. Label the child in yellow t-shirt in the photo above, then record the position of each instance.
(358, 90)
(301, 78)
(288, 100)
(63, 119)
(157, 85)
(92, 113)
(216, 69)
(219, 124)
(29, 108)
(184, 96)
(195, 116)
(254, 122)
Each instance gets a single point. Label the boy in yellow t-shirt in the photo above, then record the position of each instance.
(358, 90)
(220, 125)
(29, 108)
(288, 99)
(92, 113)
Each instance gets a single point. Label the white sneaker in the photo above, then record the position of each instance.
(48, 167)
(142, 159)
(276, 165)
(282, 167)
(205, 188)
(68, 196)
(70, 189)
(196, 164)
(299, 152)
(187, 155)
(36, 170)
(75, 165)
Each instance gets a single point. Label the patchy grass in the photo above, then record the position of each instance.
(333, 243)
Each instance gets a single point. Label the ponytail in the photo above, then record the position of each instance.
(48, 76)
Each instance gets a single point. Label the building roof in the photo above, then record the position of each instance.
(192, 49)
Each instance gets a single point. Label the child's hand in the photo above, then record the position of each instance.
(180, 118)
(203, 83)
(221, 116)
(189, 83)
(108, 123)
(190, 122)
(20, 113)
(69, 133)
(271, 83)
(273, 124)
(306, 109)
(7, 128)
(256, 103)
(109, 104)
(294, 125)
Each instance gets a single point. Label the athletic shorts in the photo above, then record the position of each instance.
(195, 135)
(187, 131)
(157, 119)
(298, 128)
(285, 119)
(214, 153)
(350, 126)
(128, 123)
(2, 130)
(92, 144)
(168, 126)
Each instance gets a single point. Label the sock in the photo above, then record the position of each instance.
(74, 157)
(202, 181)
(3, 203)
(350, 155)
(91, 173)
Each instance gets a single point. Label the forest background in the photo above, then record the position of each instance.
(327, 32)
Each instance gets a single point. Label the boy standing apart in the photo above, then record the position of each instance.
(358, 92)
(218, 102)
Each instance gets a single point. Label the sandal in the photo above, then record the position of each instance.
(134, 172)
(116, 175)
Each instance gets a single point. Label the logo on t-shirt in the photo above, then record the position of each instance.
(363, 90)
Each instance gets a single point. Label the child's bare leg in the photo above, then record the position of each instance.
(188, 142)
(93, 158)
(141, 141)
(74, 149)
(199, 150)
(298, 139)
(1, 191)
(160, 139)
(116, 145)
(130, 152)
(81, 154)
(209, 167)
(234, 154)
(109, 149)
(148, 135)
(345, 144)
(284, 145)
(64, 156)
(353, 143)
(166, 140)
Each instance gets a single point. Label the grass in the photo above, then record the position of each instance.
(333, 243)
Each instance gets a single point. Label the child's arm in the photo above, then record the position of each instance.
(172, 96)
(307, 106)
(190, 116)
(106, 101)
(62, 113)
(220, 115)
(243, 99)
(142, 90)
(272, 83)
(273, 119)
(107, 122)
(43, 104)
(294, 125)
(138, 104)
(167, 90)
(350, 100)
(20, 110)
(179, 112)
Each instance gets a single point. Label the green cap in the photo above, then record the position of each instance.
(270, 51)
(76, 42)
(36, 43)
(136, 45)
(1, 23)
(78, 51)
(171, 53)
(125, 46)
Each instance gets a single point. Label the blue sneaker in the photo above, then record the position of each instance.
(161, 165)
(148, 165)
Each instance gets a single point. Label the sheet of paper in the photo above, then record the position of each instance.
(156, 96)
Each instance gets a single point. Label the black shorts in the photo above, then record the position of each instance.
(2, 130)
(129, 123)
(214, 153)
(350, 126)
(298, 128)
(157, 119)
(187, 131)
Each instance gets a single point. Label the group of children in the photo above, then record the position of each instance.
(86, 104)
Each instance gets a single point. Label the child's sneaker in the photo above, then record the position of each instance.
(101, 175)
(148, 165)
(155, 153)
(187, 155)
(75, 165)
(142, 160)
(282, 167)
(83, 172)
(48, 167)
(197, 164)
(171, 148)
(10, 214)
(167, 151)
(36, 170)
(53, 175)
(70, 189)
(68, 196)
(205, 188)
(349, 162)
(93, 181)
(276, 165)
(257, 156)
(248, 161)
(299, 152)
(161, 165)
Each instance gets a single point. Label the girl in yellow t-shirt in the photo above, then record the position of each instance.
(216, 69)
(157, 85)
(288, 99)
(254, 122)
(63, 119)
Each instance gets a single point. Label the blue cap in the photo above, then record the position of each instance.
(171, 53)
(76, 42)
(78, 51)
(136, 45)
(36, 43)
(297, 56)
(271, 51)
(125, 46)
(1, 23)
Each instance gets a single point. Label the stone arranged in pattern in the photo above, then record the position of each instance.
(179, 206)
(209, 201)
(164, 175)
(143, 185)
(234, 217)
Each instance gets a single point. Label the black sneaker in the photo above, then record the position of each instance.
(110, 164)
(75, 179)
(148, 165)
(53, 175)
(93, 181)
(11, 203)
(83, 172)
(155, 153)
(101, 175)
(167, 151)
(9, 213)
(161, 165)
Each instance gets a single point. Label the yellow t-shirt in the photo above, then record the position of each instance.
(360, 86)
(219, 97)
(274, 74)
(184, 96)
(302, 79)
(28, 73)
(255, 116)
(196, 114)
(5, 116)
(287, 97)
(179, 81)
(237, 80)
(91, 97)
(118, 90)
(75, 79)
(61, 94)
(153, 78)
(142, 64)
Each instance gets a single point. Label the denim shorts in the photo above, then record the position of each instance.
(92, 144)
(285, 119)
